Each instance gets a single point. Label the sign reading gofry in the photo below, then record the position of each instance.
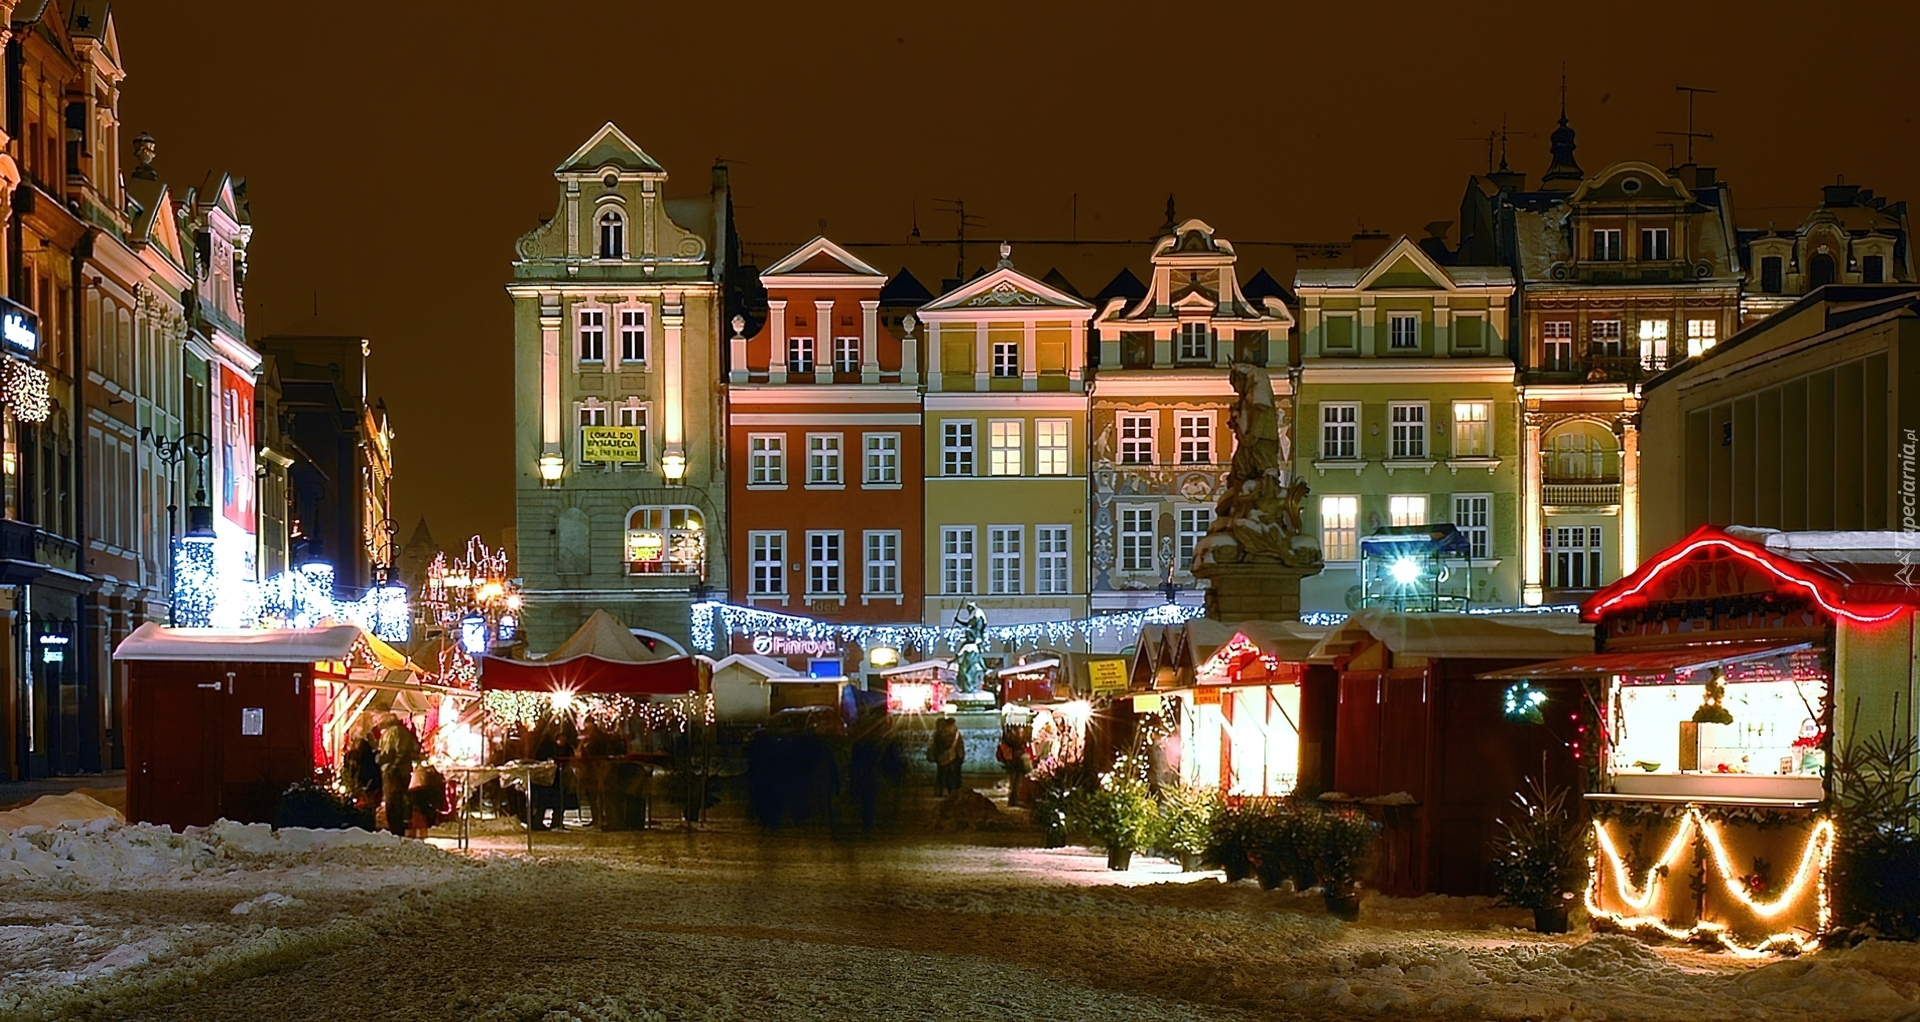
(610, 443)
(1107, 676)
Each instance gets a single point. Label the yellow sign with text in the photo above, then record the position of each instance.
(610, 444)
(1107, 676)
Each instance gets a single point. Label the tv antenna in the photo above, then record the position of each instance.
(1691, 134)
(958, 207)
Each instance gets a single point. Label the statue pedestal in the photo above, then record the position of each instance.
(1254, 590)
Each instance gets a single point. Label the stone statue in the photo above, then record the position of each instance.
(970, 666)
(1260, 514)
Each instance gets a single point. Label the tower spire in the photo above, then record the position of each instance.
(1565, 173)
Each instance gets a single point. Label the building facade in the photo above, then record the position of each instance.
(1006, 450)
(1160, 398)
(1853, 237)
(824, 443)
(1409, 417)
(618, 306)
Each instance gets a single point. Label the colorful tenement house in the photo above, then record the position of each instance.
(824, 447)
(1854, 237)
(1006, 449)
(1160, 399)
(617, 413)
(1407, 417)
(1622, 274)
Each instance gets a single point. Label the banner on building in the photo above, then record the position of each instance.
(236, 449)
(610, 444)
(1107, 676)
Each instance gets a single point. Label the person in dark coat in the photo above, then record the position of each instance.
(397, 751)
(360, 770)
(1016, 758)
(948, 750)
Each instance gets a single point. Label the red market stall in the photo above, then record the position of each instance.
(1423, 739)
(1727, 671)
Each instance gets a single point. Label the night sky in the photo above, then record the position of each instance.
(394, 151)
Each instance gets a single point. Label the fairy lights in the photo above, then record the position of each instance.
(1630, 589)
(714, 624)
(23, 388)
(206, 597)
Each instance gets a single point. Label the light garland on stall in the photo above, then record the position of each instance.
(608, 711)
(1333, 619)
(715, 623)
(1815, 858)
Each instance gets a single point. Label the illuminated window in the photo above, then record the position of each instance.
(1407, 509)
(1472, 429)
(1702, 335)
(1006, 359)
(1196, 342)
(1556, 336)
(1051, 455)
(1340, 528)
(1403, 330)
(767, 459)
(633, 335)
(956, 448)
(1194, 523)
(665, 541)
(956, 560)
(767, 556)
(823, 459)
(1339, 431)
(613, 235)
(1136, 539)
(1654, 243)
(1409, 429)
(1606, 245)
(823, 564)
(799, 355)
(1050, 559)
(883, 564)
(846, 354)
(1653, 343)
(1196, 439)
(593, 335)
(1003, 447)
(1136, 439)
(882, 459)
(1473, 516)
(1005, 559)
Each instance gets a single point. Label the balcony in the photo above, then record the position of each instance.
(1593, 493)
(1601, 369)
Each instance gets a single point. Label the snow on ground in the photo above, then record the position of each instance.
(728, 923)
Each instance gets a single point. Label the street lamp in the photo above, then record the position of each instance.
(199, 513)
(551, 465)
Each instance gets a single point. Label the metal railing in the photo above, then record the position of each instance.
(1580, 494)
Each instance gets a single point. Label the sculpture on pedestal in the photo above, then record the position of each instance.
(1260, 514)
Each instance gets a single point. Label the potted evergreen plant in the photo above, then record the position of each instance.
(1121, 815)
(1187, 817)
(1230, 841)
(1540, 856)
(1343, 846)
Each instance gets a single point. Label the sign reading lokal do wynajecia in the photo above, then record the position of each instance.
(615, 444)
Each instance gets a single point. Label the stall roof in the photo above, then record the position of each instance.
(261, 645)
(765, 666)
(919, 667)
(1030, 667)
(603, 636)
(1649, 662)
(590, 674)
(1860, 576)
(1468, 636)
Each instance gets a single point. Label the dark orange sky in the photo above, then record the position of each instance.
(394, 151)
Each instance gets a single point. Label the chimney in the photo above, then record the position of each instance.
(1705, 177)
(1367, 246)
(1839, 194)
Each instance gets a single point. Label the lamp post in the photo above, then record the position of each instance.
(199, 512)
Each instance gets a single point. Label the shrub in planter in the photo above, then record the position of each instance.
(1342, 846)
(1057, 792)
(317, 805)
(1540, 856)
(1120, 813)
(1231, 839)
(1187, 816)
(1876, 861)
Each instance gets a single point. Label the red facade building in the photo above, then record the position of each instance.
(823, 430)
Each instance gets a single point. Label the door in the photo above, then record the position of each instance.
(175, 748)
(267, 731)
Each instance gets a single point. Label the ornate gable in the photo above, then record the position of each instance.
(821, 256)
(1007, 288)
(609, 147)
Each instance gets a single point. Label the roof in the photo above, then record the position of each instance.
(919, 667)
(1649, 662)
(1468, 636)
(820, 256)
(1123, 285)
(903, 289)
(1262, 285)
(765, 666)
(259, 645)
(609, 147)
(603, 636)
(1860, 576)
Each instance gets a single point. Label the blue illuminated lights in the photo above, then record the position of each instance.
(715, 624)
(1523, 703)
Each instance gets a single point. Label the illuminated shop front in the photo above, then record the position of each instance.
(1729, 669)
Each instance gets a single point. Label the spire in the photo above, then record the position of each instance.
(1565, 167)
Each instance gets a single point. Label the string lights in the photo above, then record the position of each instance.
(714, 624)
(23, 388)
(206, 597)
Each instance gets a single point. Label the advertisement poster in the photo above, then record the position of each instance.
(611, 444)
(234, 449)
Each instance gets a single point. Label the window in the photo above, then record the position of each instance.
(590, 415)
(1472, 429)
(1606, 245)
(1403, 330)
(1653, 243)
(1407, 509)
(1473, 516)
(883, 564)
(799, 355)
(823, 564)
(1006, 359)
(1573, 556)
(1339, 432)
(613, 235)
(767, 459)
(1409, 425)
(1003, 447)
(1050, 559)
(1603, 338)
(1136, 539)
(1469, 331)
(1004, 559)
(593, 335)
(1196, 342)
(883, 459)
(823, 459)
(1340, 330)
(1051, 456)
(1771, 275)
(1702, 334)
(1557, 340)
(1873, 269)
(665, 541)
(846, 354)
(1340, 528)
(1136, 439)
(634, 416)
(956, 448)
(1653, 343)
(633, 335)
(1196, 439)
(1581, 454)
(956, 560)
(1194, 523)
(767, 557)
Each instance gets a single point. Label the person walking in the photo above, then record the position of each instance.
(1016, 758)
(948, 751)
(398, 750)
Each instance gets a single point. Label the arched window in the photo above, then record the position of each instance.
(613, 235)
(666, 541)
(1583, 452)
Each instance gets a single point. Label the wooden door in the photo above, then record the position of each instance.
(267, 730)
(173, 748)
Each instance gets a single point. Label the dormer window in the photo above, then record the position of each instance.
(1654, 244)
(1196, 342)
(613, 235)
(1606, 244)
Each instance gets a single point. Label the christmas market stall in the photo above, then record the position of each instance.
(1729, 671)
(1423, 742)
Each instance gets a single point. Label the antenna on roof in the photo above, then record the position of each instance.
(1691, 134)
(958, 207)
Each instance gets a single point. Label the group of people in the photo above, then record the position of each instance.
(947, 749)
(386, 772)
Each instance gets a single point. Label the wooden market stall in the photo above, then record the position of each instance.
(1728, 670)
(1425, 742)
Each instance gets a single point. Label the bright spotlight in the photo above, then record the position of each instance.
(1405, 571)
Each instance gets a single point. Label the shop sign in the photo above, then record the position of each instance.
(1149, 703)
(613, 444)
(1207, 695)
(787, 645)
(1107, 676)
(20, 327)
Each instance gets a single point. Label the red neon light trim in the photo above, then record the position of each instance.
(1821, 594)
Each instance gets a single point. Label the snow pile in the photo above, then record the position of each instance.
(271, 899)
(104, 852)
(54, 810)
